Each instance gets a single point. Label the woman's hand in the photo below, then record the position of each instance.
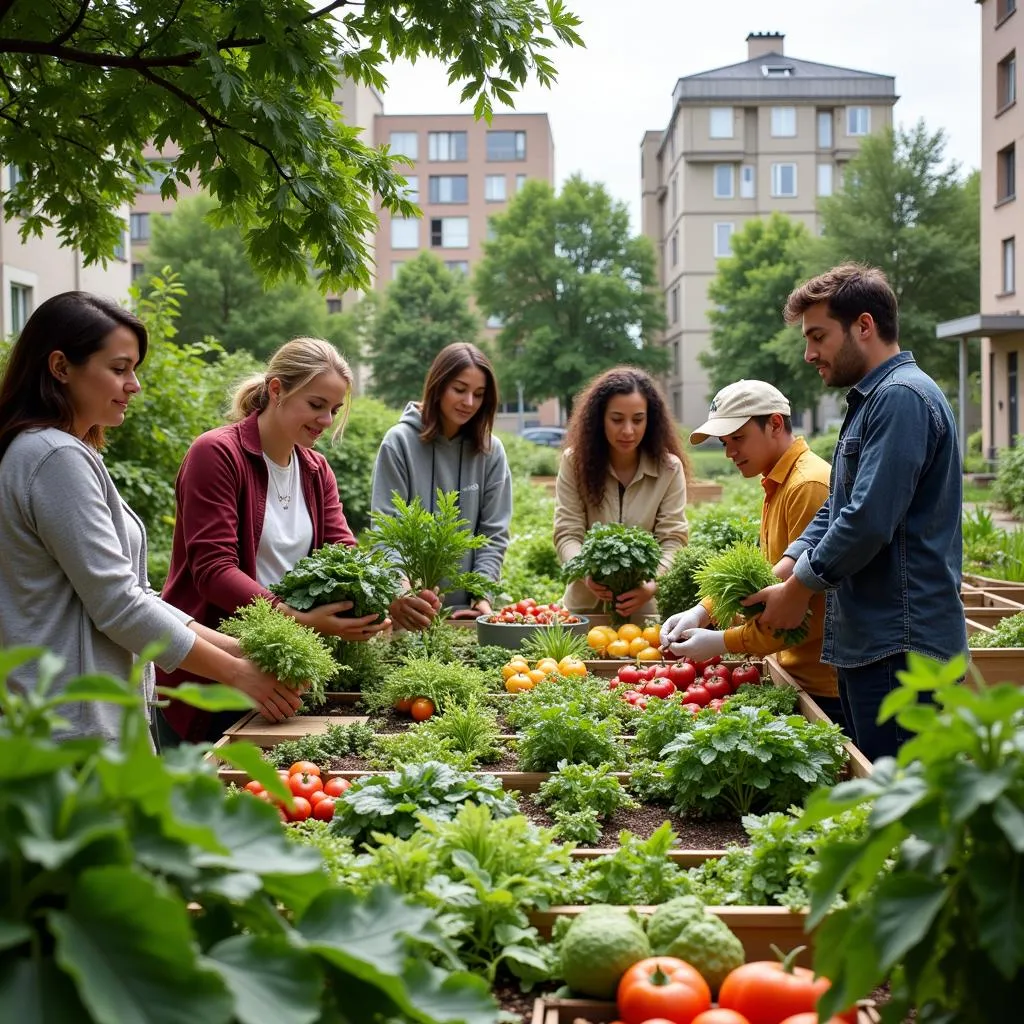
(275, 701)
(599, 590)
(327, 620)
(474, 611)
(633, 600)
(415, 611)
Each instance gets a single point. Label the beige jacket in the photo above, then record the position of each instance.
(655, 499)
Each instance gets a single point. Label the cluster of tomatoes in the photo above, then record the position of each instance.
(311, 796)
(519, 676)
(420, 708)
(703, 684)
(529, 613)
(667, 990)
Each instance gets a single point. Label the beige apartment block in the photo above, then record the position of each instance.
(37, 269)
(999, 323)
(770, 133)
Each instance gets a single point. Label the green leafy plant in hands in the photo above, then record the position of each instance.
(293, 654)
(580, 798)
(942, 925)
(732, 575)
(618, 556)
(336, 572)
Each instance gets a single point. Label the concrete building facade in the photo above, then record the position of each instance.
(771, 133)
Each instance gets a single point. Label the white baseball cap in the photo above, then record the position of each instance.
(736, 403)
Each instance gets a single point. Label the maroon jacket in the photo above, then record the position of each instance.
(221, 498)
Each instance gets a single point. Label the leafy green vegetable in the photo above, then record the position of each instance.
(462, 735)
(565, 732)
(779, 700)
(677, 586)
(586, 694)
(620, 557)
(336, 572)
(446, 685)
(334, 741)
(580, 798)
(1008, 632)
(729, 577)
(392, 803)
(721, 526)
(661, 722)
(293, 654)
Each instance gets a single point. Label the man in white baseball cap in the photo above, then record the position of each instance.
(753, 420)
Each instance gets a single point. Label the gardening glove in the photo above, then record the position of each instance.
(674, 626)
(700, 644)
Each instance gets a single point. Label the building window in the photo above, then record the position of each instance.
(747, 181)
(1004, 9)
(14, 175)
(675, 195)
(506, 145)
(720, 123)
(494, 188)
(677, 405)
(405, 233)
(1006, 81)
(449, 146)
(139, 227)
(777, 70)
(411, 188)
(824, 129)
(724, 185)
(490, 234)
(675, 248)
(723, 239)
(824, 179)
(449, 188)
(673, 305)
(1006, 177)
(783, 122)
(21, 306)
(520, 181)
(457, 266)
(157, 176)
(675, 358)
(121, 248)
(405, 144)
(858, 120)
(138, 269)
(333, 306)
(1009, 266)
(784, 181)
(449, 232)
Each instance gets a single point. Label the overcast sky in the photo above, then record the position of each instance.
(621, 85)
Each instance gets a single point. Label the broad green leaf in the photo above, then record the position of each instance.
(13, 933)
(837, 862)
(1010, 818)
(23, 757)
(905, 905)
(997, 881)
(129, 946)
(845, 952)
(439, 996)
(209, 696)
(894, 701)
(38, 992)
(968, 787)
(272, 982)
(14, 657)
(248, 758)
(918, 718)
(900, 797)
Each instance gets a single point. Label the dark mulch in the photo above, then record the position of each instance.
(643, 821)
(512, 1000)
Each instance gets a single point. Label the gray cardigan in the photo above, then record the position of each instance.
(73, 573)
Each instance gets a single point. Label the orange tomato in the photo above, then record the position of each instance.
(514, 666)
(597, 639)
(649, 654)
(422, 708)
(547, 665)
(652, 634)
(572, 667)
(629, 631)
(519, 682)
(303, 768)
(618, 649)
(638, 644)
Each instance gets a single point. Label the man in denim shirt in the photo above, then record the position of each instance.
(886, 547)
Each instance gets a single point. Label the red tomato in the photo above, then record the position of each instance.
(422, 709)
(720, 1016)
(316, 797)
(694, 709)
(323, 810)
(630, 696)
(717, 687)
(767, 992)
(403, 704)
(335, 787)
(641, 701)
(254, 787)
(682, 675)
(629, 675)
(659, 688)
(304, 785)
(697, 695)
(722, 671)
(812, 1018)
(301, 811)
(523, 607)
(304, 768)
(745, 673)
(662, 986)
(662, 672)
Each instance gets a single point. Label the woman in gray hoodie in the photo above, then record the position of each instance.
(445, 442)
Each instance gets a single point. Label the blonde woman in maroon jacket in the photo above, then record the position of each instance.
(253, 497)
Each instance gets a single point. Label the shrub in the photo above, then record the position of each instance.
(677, 588)
(824, 445)
(527, 459)
(719, 527)
(1008, 490)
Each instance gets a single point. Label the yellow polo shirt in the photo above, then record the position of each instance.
(794, 490)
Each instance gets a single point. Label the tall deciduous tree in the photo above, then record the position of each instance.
(576, 292)
(243, 88)
(903, 209)
(425, 308)
(747, 296)
(226, 300)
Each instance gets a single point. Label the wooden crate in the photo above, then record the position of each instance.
(1001, 599)
(549, 1010)
(698, 491)
(999, 664)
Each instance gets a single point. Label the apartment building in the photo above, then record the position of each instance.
(773, 132)
(999, 324)
(37, 269)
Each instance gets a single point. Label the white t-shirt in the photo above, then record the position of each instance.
(287, 527)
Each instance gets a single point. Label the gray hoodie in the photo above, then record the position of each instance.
(414, 469)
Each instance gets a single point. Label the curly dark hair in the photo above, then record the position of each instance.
(586, 436)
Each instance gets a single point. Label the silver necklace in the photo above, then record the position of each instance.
(285, 500)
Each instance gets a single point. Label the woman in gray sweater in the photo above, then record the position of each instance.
(72, 553)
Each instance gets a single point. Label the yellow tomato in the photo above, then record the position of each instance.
(518, 683)
(514, 666)
(572, 667)
(649, 654)
(547, 665)
(597, 639)
(652, 634)
(638, 644)
(536, 675)
(630, 631)
(618, 649)
(609, 631)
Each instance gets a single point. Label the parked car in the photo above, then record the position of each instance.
(551, 437)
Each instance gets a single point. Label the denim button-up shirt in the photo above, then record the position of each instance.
(887, 545)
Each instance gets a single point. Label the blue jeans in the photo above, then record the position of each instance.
(861, 691)
(833, 707)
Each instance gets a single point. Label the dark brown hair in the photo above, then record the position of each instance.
(76, 324)
(447, 365)
(586, 436)
(849, 289)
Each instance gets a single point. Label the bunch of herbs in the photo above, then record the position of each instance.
(463, 735)
(588, 695)
(580, 799)
(565, 732)
(779, 700)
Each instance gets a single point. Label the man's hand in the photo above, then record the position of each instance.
(415, 611)
(785, 604)
(674, 626)
(700, 644)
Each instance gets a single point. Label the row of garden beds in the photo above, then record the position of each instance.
(987, 602)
